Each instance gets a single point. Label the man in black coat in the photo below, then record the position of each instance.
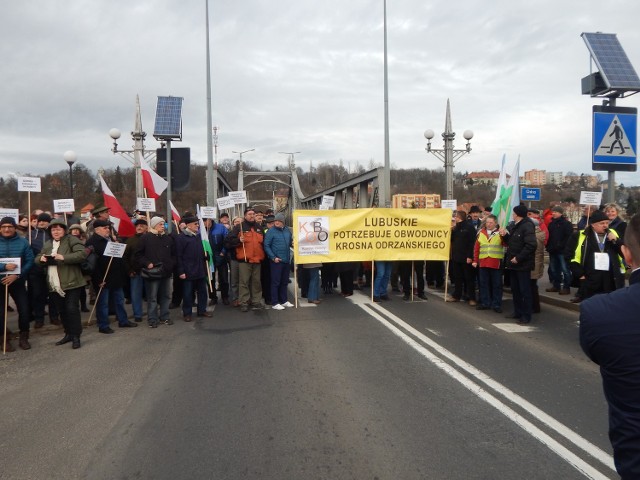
(520, 260)
(610, 336)
(560, 231)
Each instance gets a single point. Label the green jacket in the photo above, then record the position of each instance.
(69, 269)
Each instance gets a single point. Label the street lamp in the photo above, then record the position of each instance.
(448, 154)
(70, 157)
(241, 168)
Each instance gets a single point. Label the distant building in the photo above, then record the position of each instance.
(416, 200)
(588, 181)
(483, 178)
(555, 178)
(535, 177)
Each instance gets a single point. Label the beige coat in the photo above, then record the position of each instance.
(538, 269)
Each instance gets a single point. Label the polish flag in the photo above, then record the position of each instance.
(121, 221)
(174, 213)
(151, 181)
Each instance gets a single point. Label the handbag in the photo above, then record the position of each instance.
(154, 273)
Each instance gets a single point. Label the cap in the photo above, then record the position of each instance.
(520, 210)
(279, 217)
(155, 221)
(140, 221)
(597, 216)
(269, 219)
(44, 217)
(189, 219)
(224, 214)
(558, 209)
(101, 223)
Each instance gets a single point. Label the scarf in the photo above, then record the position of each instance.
(52, 272)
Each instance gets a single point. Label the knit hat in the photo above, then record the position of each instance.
(155, 221)
(8, 221)
(558, 209)
(269, 219)
(520, 210)
(140, 221)
(279, 217)
(597, 216)
(475, 209)
(44, 217)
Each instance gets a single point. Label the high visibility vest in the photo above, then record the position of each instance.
(490, 247)
(577, 256)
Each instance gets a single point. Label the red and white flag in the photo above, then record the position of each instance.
(151, 181)
(121, 221)
(174, 213)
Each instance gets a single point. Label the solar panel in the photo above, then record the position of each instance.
(168, 119)
(613, 63)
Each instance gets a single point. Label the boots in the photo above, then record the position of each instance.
(8, 346)
(23, 343)
(66, 339)
(76, 342)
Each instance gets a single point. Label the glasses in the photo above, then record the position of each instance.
(7, 226)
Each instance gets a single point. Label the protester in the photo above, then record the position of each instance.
(610, 335)
(38, 291)
(77, 231)
(462, 244)
(487, 256)
(313, 290)
(136, 284)
(277, 246)
(62, 255)
(234, 270)
(217, 234)
(560, 231)
(612, 211)
(157, 250)
(13, 245)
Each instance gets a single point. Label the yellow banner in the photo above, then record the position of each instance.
(366, 234)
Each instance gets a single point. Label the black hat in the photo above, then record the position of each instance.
(98, 210)
(475, 209)
(8, 221)
(44, 217)
(189, 219)
(597, 216)
(520, 210)
(101, 223)
(270, 219)
(140, 221)
(224, 214)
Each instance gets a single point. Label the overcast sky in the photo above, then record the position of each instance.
(296, 75)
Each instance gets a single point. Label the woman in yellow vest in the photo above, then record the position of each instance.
(488, 254)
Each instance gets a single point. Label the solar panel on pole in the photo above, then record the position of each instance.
(612, 61)
(168, 124)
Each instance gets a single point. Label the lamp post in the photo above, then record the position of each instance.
(70, 157)
(241, 168)
(448, 155)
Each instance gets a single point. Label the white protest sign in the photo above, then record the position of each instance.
(146, 204)
(29, 184)
(327, 201)
(10, 212)
(64, 205)
(10, 260)
(239, 197)
(323, 207)
(452, 204)
(225, 203)
(590, 198)
(114, 249)
(209, 212)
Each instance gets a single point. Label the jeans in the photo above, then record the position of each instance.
(279, 282)
(102, 308)
(313, 292)
(158, 296)
(137, 291)
(490, 287)
(559, 271)
(381, 282)
(188, 287)
(522, 296)
(17, 291)
(69, 308)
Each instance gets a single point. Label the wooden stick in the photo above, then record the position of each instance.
(373, 278)
(29, 215)
(412, 280)
(295, 283)
(104, 279)
(6, 312)
(446, 279)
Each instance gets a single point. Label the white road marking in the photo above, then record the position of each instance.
(478, 390)
(435, 332)
(514, 327)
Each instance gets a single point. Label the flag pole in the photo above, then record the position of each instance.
(6, 311)
(104, 279)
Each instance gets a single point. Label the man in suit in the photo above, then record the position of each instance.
(610, 336)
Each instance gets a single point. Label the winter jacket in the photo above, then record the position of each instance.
(463, 239)
(117, 273)
(217, 235)
(277, 243)
(155, 248)
(69, 273)
(252, 250)
(521, 244)
(560, 231)
(538, 267)
(489, 249)
(129, 254)
(17, 247)
(190, 254)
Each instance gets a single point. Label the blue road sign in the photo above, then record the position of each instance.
(530, 194)
(615, 134)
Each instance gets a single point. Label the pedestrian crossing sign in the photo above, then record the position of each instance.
(615, 138)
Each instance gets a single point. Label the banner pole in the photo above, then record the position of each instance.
(6, 312)
(29, 215)
(373, 279)
(446, 279)
(295, 282)
(104, 279)
(412, 280)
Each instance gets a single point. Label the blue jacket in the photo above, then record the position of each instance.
(610, 336)
(191, 259)
(17, 247)
(277, 243)
(217, 235)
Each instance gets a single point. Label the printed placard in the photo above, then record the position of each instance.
(10, 212)
(225, 203)
(146, 204)
(452, 204)
(114, 249)
(64, 205)
(29, 184)
(209, 212)
(590, 198)
(239, 197)
(328, 200)
(11, 260)
(323, 207)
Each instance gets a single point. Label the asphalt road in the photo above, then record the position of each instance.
(343, 390)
